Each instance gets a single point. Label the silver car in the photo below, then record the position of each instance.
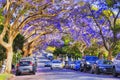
(26, 66)
(116, 66)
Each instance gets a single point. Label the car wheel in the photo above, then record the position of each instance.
(18, 73)
(51, 68)
(114, 73)
(97, 71)
(75, 69)
(85, 69)
(81, 70)
(91, 71)
(33, 72)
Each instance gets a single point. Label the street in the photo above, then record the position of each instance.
(45, 73)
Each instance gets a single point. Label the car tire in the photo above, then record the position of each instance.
(81, 70)
(75, 69)
(51, 68)
(97, 71)
(115, 74)
(91, 71)
(33, 73)
(85, 68)
(18, 73)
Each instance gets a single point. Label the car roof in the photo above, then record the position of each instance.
(27, 59)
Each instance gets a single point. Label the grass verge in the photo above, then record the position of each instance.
(5, 76)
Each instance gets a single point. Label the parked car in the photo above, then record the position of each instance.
(66, 64)
(50, 57)
(72, 63)
(86, 63)
(116, 65)
(44, 54)
(49, 54)
(102, 66)
(77, 65)
(25, 67)
(32, 59)
(36, 60)
(48, 64)
(56, 64)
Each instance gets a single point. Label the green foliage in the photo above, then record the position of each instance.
(92, 50)
(67, 39)
(5, 76)
(16, 57)
(110, 2)
(2, 49)
(58, 51)
(1, 16)
(107, 13)
(6, 35)
(1, 28)
(2, 53)
(73, 51)
(18, 42)
(116, 50)
(116, 29)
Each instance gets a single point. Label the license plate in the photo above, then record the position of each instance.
(25, 70)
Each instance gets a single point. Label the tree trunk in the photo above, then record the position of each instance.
(9, 59)
(100, 55)
(109, 57)
(25, 53)
(83, 54)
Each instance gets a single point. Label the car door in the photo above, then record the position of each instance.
(117, 63)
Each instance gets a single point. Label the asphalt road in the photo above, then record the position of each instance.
(44, 73)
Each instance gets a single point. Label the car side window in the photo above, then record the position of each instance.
(118, 57)
(107, 62)
(99, 62)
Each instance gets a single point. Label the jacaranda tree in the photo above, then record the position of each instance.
(97, 19)
(19, 13)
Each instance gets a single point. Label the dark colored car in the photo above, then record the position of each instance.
(102, 66)
(48, 64)
(77, 65)
(50, 57)
(86, 63)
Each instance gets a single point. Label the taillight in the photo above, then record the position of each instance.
(18, 65)
(31, 64)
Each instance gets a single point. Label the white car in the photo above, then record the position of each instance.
(56, 64)
(49, 54)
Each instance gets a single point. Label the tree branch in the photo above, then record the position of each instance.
(104, 41)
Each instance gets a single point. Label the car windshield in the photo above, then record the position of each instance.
(27, 58)
(24, 63)
(91, 58)
(118, 57)
(107, 62)
(47, 62)
(77, 61)
(56, 61)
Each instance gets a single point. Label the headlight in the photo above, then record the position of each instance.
(87, 62)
